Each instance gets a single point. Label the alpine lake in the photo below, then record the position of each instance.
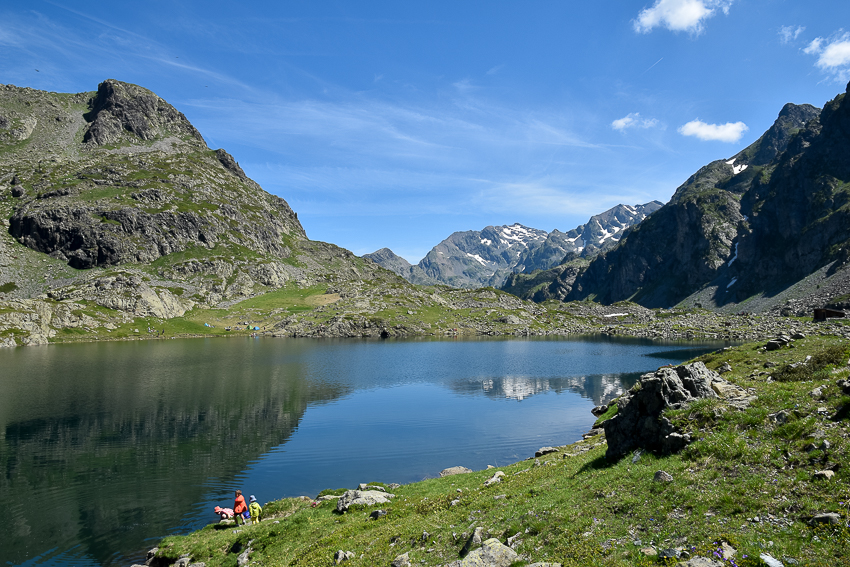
(107, 447)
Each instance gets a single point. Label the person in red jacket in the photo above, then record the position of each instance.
(239, 508)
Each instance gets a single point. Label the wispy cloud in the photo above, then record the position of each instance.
(494, 70)
(94, 47)
(787, 34)
(633, 120)
(464, 86)
(679, 15)
(730, 132)
(833, 55)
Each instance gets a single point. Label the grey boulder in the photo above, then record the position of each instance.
(362, 498)
(638, 422)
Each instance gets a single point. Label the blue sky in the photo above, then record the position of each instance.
(397, 123)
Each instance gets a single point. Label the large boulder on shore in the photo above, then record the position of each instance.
(638, 422)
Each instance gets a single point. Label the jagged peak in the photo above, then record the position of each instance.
(120, 108)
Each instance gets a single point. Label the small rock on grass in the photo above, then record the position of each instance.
(831, 518)
(492, 553)
(823, 475)
(545, 451)
(700, 562)
(770, 561)
(662, 476)
(496, 478)
(454, 470)
(402, 560)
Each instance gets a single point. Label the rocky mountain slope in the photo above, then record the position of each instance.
(753, 224)
(570, 252)
(120, 181)
(602, 232)
(486, 258)
(468, 259)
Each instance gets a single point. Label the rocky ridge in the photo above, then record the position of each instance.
(486, 258)
(119, 180)
(750, 225)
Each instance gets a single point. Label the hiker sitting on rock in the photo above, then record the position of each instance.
(255, 509)
(239, 508)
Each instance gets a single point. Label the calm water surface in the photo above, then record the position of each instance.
(107, 447)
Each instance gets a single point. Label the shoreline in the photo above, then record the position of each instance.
(683, 325)
(570, 505)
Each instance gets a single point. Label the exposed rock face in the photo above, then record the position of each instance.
(690, 241)
(638, 422)
(479, 258)
(122, 107)
(548, 271)
(388, 259)
(160, 191)
(600, 233)
(799, 218)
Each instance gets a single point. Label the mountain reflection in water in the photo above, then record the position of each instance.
(601, 388)
(106, 447)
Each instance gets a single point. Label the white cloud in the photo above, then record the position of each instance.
(787, 34)
(729, 132)
(495, 69)
(814, 47)
(833, 55)
(633, 120)
(679, 15)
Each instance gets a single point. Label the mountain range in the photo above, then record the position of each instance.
(488, 257)
(119, 221)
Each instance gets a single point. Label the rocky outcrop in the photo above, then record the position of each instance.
(130, 294)
(362, 498)
(639, 423)
(120, 108)
(142, 185)
(492, 553)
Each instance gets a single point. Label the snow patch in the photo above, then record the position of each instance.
(615, 314)
(486, 242)
(731, 162)
(735, 257)
(736, 169)
(481, 260)
(606, 235)
(730, 284)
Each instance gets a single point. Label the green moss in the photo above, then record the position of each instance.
(609, 413)
(8, 287)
